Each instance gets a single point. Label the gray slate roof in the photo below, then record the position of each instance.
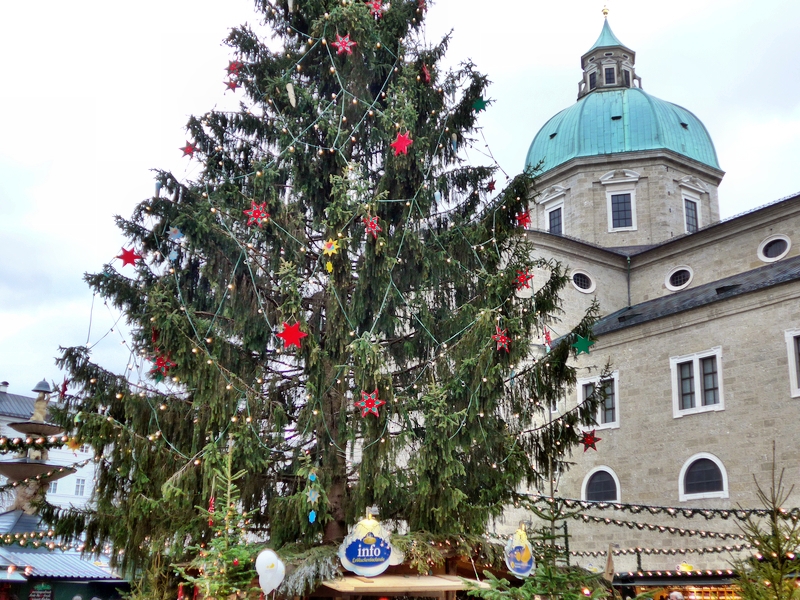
(14, 405)
(770, 275)
(17, 521)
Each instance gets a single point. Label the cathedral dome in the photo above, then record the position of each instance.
(620, 120)
(614, 115)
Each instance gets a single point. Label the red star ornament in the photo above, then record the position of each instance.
(291, 334)
(234, 67)
(343, 45)
(231, 84)
(523, 277)
(376, 8)
(129, 257)
(162, 364)
(589, 440)
(426, 74)
(502, 339)
(401, 144)
(189, 149)
(369, 403)
(371, 226)
(257, 214)
(524, 219)
(490, 186)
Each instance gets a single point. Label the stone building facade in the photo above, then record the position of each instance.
(701, 325)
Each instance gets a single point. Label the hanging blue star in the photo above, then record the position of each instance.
(175, 234)
(173, 255)
(312, 516)
(312, 477)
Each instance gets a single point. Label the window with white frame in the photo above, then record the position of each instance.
(601, 485)
(610, 76)
(793, 349)
(621, 199)
(702, 476)
(80, 486)
(608, 412)
(697, 382)
(592, 80)
(52, 488)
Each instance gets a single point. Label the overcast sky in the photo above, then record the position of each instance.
(96, 93)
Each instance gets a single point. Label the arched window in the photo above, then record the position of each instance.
(703, 476)
(601, 485)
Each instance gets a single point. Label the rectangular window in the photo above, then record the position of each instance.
(621, 211)
(690, 207)
(608, 412)
(592, 80)
(86, 448)
(554, 221)
(793, 350)
(686, 374)
(52, 488)
(610, 79)
(627, 77)
(80, 486)
(710, 384)
(697, 382)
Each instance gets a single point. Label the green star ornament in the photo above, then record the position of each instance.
(479, 104)
(582, 345)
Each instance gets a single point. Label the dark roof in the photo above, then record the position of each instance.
(767, 276)
(14, 405)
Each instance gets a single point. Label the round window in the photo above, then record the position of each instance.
(679, 278)
(583, 282)
(775, 247)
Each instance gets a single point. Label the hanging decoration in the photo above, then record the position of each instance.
(426, 74)
(174, 234)
(367, 549)
(234, 67)
(371, 226)
(161, 366)
(232, 84)
(189, 149)
(270, 569)
(523, 277)
(479, 104)
(376, 8)
(329, 267)
(502, 339)
(369, 403)
(343, 45)
(491, 185)
(454, 141)
(548, 341)
(524, 219)
(290, 92)
(291, 334)
(129, 257)
(211, 511)
(589, 440)
(582, 345)
(519, 554)
(330, 247)
(401, 144)
(257, 213)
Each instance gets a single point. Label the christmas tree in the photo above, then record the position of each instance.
(771, 574)
(339, 292)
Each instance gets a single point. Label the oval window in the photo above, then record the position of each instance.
(775, 247)
(583, 282)
(679, 278)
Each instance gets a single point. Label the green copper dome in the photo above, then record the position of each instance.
(619, 120)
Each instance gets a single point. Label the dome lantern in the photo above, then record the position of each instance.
(608, 64)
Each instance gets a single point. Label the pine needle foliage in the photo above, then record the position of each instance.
(407, 309)
(772, 573)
